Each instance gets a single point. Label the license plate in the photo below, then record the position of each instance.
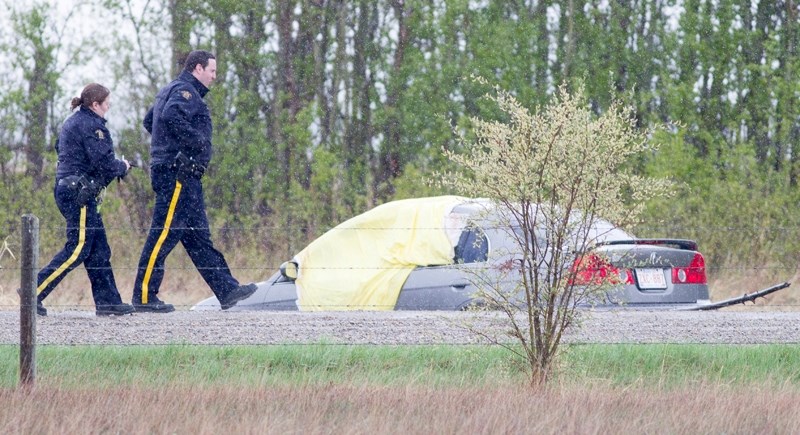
(651, 279)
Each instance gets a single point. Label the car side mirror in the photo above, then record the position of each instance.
(289, 270)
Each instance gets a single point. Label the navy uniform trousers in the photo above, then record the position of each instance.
(179, 215)
(87, 244)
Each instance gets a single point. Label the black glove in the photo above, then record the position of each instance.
(187, 168)
(130, 167)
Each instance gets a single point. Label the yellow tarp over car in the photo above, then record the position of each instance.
(362, 263)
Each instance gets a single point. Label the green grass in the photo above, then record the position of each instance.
(676, 365)
(260, 365)
(667, 366)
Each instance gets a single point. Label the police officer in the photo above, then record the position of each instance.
(180, 150)
(86, 165)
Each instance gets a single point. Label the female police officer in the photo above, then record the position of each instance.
(86, 164)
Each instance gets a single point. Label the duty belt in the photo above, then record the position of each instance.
(86, 188)
(73, 181)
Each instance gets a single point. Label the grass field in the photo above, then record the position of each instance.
(405, 389)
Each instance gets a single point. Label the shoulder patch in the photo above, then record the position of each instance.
(187, 95)
(100, 134)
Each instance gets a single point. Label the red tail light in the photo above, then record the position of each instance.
(592, 269)
(695, 273)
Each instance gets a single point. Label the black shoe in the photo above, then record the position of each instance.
(153, 305)
(40, 309)
(236, 295)
(114, 310)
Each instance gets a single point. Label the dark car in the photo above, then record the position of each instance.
(424, 254)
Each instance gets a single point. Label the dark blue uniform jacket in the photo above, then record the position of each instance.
(180, 122)
(85, 148)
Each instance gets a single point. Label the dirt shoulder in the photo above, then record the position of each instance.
(255, 328)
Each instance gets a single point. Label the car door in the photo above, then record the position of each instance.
(445, 287)
(450, 286)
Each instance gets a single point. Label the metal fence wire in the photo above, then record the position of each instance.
(268, 263)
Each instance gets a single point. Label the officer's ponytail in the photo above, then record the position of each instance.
(92, 93)
(76, 101)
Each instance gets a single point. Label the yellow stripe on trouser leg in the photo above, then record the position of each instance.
(161, 238)
(73, 257)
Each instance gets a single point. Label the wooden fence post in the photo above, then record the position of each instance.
(29, 266)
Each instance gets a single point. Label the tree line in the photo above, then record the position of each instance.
(325, 108)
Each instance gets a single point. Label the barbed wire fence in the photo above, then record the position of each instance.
(261, 268)
(12, 244)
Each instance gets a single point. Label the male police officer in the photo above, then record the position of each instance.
(180, 150)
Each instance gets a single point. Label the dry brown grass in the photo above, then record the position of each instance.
(182, 285)
(732, 283)
(373, 409)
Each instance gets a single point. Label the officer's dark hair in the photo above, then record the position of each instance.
(92, 93)
(197, 57)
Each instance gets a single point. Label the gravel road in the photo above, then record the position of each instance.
(248, 328)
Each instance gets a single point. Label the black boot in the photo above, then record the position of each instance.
(236, 295)
(114, 310)
(153, 305)
(40, 309)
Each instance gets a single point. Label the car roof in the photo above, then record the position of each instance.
(483, 212)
